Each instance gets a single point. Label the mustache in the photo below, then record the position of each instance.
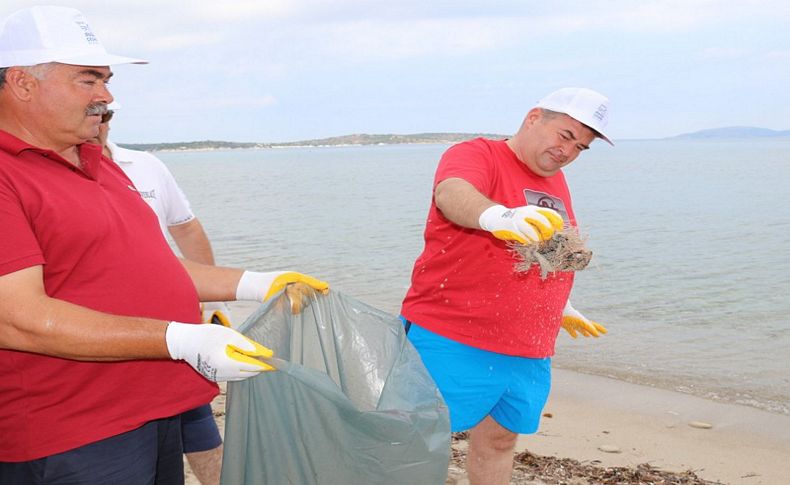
(96, 109)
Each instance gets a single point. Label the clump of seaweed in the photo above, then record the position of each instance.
(565, 251)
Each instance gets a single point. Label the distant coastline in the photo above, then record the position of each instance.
(363, 139)
(738, 132)
(359, 139)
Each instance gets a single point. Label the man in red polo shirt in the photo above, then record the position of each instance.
(485, 332)
(100, 345)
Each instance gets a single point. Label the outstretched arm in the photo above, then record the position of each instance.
(219, 283)
(464, 205)
(461, 202)
(31, 321)
(213, 283)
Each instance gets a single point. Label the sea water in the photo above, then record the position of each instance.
(690, 271)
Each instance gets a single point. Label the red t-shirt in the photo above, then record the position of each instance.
(101, 247)
(464, 285)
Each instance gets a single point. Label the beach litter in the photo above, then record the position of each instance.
(565, 251)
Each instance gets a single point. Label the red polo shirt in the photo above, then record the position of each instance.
(464, 285)
(100, 247)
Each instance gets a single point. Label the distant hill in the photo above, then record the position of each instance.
(734, 132)
(356, 139)
(192, 145)
(365, 139)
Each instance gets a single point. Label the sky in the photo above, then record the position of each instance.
(288, 70)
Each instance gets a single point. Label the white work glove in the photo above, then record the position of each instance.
(218, 353)
(217, 312)
(262, 286)
(573, 321)
(525, 224)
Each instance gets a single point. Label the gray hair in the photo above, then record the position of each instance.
(38, 71)
(549, 114)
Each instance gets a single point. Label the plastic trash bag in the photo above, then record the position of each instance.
(350, 404)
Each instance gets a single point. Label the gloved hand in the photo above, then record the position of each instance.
(216, 312)
(262, 286)
(525, 224)
(573, 321)
(218, 353)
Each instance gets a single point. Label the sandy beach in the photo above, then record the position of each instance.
(595, 425)
(654, 426)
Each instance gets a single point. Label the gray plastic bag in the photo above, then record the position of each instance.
(350, 404)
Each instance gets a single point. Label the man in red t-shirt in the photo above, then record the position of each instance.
(485, 332)
(100, 342)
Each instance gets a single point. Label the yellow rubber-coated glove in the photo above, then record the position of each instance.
(216, 312)
(525, 224)
(218, 353)
(573, 322)
(262, 286)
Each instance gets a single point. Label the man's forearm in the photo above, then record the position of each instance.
(192, 241)
(31, 321)
(213, 283)
(461, 202)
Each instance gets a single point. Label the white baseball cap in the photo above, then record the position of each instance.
(586, 106)
(41, 34)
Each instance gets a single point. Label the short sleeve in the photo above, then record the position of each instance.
(19, 247)
(177, 208)
(471, 161)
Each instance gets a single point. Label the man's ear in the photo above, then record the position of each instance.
(534, 115)
(20, 83)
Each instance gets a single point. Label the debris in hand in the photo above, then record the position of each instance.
(565, 251)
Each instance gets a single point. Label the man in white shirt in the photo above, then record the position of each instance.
(159, 189)
(157, 186)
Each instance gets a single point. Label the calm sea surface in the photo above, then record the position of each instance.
(691, 272)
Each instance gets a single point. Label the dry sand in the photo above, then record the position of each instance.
(645, 430)
(654, 426)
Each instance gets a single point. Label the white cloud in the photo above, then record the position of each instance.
(300, 55)
(366, 40)
(367, 30)
(246, 9)
(656, 16)
(368, 36)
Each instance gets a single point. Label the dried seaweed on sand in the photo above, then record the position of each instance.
(531, 469)
(550, 470)
(565, 251)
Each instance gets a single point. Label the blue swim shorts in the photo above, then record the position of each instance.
(199, 431)
(476, 383)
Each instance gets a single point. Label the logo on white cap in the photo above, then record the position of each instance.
(600, 113)
(90, 37)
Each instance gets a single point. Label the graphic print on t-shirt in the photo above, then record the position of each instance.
(147, 194)
(542, 199)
